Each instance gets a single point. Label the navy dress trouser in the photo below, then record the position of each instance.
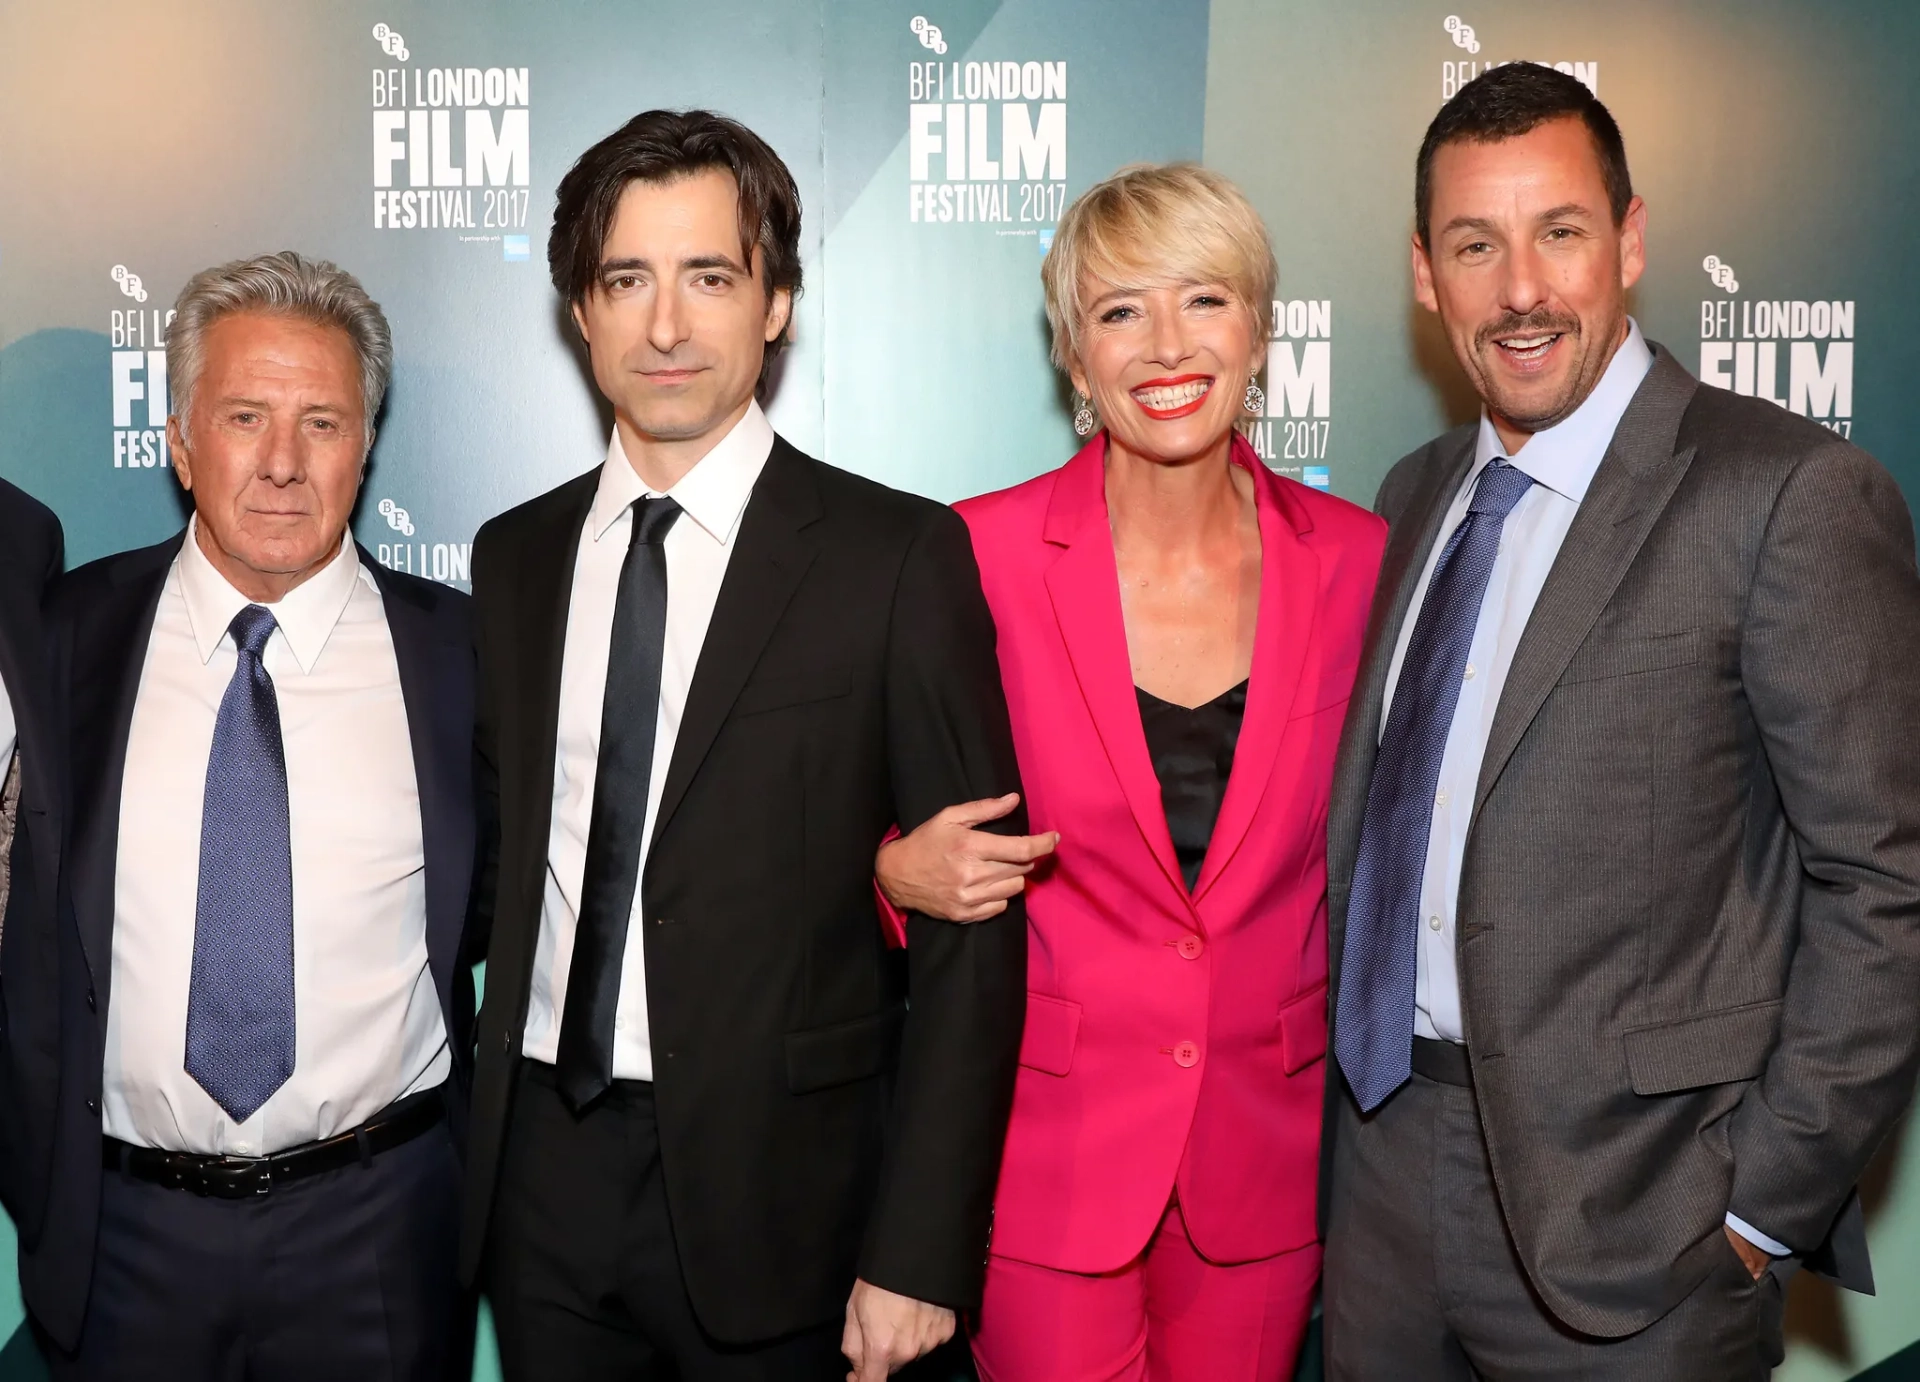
(346, 1274)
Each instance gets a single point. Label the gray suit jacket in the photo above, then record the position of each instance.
(1689, 914)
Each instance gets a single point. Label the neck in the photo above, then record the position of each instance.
(1172, 504)
(661, 462)
(1514, 435)
(260, 587)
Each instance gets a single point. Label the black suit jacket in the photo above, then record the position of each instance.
(32, 551)
(811, 1126)
(101, 619)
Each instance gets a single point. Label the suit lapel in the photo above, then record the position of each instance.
(1084, 585)
(542, 573)
(22, 668)
(770, 558)
(1409, 542)
(1284, 630)
(430, 687)
(108, 653)
(1630, 490)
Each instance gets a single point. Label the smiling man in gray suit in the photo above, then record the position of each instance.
(1625, 839)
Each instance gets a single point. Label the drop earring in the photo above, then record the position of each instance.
(1084, 420)
(1255, 399)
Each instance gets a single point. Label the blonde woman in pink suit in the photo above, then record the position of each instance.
(1179, 630)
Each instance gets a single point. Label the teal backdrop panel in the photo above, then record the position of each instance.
(418, 142)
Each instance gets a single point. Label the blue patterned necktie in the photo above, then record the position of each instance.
(1373, 1032)
(240, 1003)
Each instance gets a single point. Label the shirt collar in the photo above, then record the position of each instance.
(1565, 456)
(713, 494)
(306, 615)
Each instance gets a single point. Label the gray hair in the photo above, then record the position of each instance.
(283, 284)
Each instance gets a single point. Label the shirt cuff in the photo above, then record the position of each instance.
(1770, 1246)
(893, 921)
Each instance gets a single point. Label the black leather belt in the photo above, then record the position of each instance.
(242, 1177)
(1442, 1061)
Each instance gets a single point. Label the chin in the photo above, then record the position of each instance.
(683, 421)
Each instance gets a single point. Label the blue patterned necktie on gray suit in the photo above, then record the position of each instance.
(240, 1003)
(1373, 1030)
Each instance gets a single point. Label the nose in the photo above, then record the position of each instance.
(666, 320)
(283, 460)
(1169, 344)
(1524, 287)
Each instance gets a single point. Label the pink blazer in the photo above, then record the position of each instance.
(1173, 1042)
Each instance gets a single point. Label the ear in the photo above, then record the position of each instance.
(580, 321)
(1423, 276)
(177, 448)
(1077, 374)
(779, 313)
(1633, 243)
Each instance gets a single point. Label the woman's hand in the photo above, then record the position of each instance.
(948, 869)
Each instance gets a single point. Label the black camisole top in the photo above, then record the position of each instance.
(1192, 751)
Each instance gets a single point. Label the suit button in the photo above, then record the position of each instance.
(92, 1003)
(506, 1042)
(93, 1106)
(1190, 947)
(1186, 1055)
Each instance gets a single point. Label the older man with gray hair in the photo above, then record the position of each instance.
(263, 1015)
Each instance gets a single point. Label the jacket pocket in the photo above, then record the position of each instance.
(1303, 1029)
(822, 1057)
(1052, 1033)
(1626, 656)
(1712, 1048)
(779, 692)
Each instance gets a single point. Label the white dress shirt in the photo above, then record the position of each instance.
(713, 496)
(367, 1023)
(9, 731)
(1561, 461)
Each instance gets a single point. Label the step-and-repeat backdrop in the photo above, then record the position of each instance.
(418, 142)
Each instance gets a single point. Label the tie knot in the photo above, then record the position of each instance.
(1500, 488)
(251, 628)
(652, 518)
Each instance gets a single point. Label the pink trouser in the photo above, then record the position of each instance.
(1168, 1316)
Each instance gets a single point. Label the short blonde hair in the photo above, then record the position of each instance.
(1154, 224)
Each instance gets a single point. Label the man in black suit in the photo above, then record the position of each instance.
(262, 1015)
(711, 1139)
(32, 551)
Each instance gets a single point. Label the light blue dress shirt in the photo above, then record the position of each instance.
(1561, 461)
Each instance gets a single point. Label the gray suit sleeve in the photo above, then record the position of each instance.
(1831, 664)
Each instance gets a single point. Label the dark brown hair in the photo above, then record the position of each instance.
(663, 146)
(1508, 101)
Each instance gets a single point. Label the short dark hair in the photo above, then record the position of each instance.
(1513, 99)
(664, 146)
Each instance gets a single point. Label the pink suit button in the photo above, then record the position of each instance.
(1186, 1055)
(1190, 947)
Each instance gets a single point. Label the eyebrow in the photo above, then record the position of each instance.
(1484, 226)
(1135, 290)
(696, 263)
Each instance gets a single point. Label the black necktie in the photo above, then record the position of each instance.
(628, 712)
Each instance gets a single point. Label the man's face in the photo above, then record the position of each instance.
(274, 448)
(1527, 270)
(676, 323)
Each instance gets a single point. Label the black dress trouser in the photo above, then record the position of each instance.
(582, 1273)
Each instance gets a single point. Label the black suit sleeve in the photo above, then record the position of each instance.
(1827, 659)
(949, 741)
